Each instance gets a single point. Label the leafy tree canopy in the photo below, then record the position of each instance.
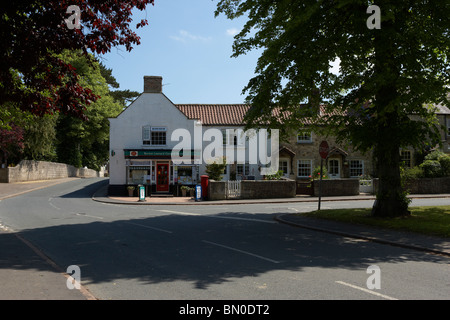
(34, 32)
(386, 75)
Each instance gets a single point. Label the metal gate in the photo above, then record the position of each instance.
(233, 190)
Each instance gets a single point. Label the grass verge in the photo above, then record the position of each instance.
(433, 221)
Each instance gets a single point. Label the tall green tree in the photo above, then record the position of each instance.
(124, 97)
(86, 143)
(40, 137)
(386, 74)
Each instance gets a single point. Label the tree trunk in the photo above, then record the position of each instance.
(391, 198)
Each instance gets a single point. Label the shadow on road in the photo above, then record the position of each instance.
(182, 248)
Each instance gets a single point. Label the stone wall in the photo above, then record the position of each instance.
(30, 170)
(337, 187)
(429, 185)
(255, 189)
(216, 190)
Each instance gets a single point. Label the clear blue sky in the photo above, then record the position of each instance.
(190, 48)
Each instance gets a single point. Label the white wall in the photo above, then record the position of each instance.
(153, 109)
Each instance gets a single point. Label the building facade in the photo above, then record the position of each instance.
(145, 137)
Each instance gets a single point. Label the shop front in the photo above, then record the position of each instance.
(156, 171)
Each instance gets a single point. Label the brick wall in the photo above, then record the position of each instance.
(30, 170)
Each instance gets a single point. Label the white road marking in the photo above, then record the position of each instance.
(50, 203)
(86, 215)
(366, 290)
(144, 226)
(241, 251)
(217, 217)
(179, 212)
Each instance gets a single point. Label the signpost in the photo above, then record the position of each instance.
(324, 149)
(141, 193)
(198, 192)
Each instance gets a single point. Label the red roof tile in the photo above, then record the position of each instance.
(215, 114)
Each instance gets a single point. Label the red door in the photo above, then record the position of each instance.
(162, 177)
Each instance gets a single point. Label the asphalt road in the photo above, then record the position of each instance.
(213, 252)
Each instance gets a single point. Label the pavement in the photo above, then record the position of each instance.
(27, 274)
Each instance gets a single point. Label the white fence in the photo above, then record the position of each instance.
(366, 186)
(233, 190)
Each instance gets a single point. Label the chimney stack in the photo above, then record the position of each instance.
(152, 84)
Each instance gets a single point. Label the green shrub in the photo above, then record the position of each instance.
(444, 161)
(412, 173)
(216, 169)
(316, 173)
(434, 155)
(431, 168)
(436, 164)
(276, 176)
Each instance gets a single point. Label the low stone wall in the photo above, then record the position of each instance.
(425, 185)
(429, 185)
(254, 189)
(337, 187)
(216, 190)
(30, 170)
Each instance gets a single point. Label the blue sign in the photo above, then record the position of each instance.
(198, 192)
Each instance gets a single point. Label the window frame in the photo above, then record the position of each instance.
(407, 159)
(147, 135)
(351, 168)
(302, 135)
(310, 168)
(281, 167)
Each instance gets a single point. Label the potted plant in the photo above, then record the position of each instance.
(184, 190)
(130, 191)
(192, 192)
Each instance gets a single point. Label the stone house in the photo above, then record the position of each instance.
(141, 145)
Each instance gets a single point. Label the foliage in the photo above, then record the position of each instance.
(435, 155)
(316, 173)
(276, 176)
(431, 168)
(412, 173)
(39, 138)
(34, 32)
(86, 143)
(444, 161)
(124, 97)
(215, 169)
(11, 142)
(385, 75)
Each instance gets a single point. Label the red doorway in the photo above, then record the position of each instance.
(162, 177)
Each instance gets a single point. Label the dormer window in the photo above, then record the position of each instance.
(304, 137)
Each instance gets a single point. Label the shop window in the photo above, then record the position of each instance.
(185, 175)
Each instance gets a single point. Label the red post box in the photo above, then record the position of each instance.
(204, 184)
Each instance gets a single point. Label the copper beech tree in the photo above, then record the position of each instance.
(33, 33)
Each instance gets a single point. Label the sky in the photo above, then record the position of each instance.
(191, 49)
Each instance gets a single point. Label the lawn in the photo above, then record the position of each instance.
(426, 220)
